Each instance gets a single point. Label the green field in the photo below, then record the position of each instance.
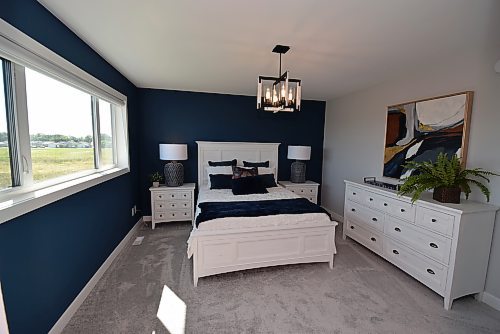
(53, 162)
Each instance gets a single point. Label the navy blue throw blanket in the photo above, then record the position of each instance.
(213, 210)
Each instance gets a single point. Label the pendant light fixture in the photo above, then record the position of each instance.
(279, 93)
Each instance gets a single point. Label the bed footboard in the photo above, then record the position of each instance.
(217, 253)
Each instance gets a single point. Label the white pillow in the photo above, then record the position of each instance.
(267, 170)
(228, 170)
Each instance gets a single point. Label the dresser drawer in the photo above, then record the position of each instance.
(364, 215)
(368, 238)
(431, 244)
(436, 221)
(173, 215)
(356, 194)
(400, 209)
(171, 205)
(422, 268)
(169, 195)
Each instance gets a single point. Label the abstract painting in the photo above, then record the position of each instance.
(420, 130)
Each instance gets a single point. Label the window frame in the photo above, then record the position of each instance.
(23, 52)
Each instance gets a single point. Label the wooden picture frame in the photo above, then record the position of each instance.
(419, 130)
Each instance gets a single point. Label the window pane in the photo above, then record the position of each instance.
(60, 123)
(5, 175)
(106, 133)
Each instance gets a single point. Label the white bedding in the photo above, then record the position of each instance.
(226, 195)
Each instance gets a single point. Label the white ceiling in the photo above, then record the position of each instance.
(337, 46)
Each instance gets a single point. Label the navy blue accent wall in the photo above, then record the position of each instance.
(183, 117)
(48, 255)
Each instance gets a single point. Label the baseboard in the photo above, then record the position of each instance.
(335, 215)
(147, 219)
(490, 300)
(77, 302)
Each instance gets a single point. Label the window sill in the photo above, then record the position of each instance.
(22, 204)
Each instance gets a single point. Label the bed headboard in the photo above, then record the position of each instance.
(218, 151)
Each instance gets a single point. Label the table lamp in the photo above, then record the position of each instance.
(174, 170)
(298, 169)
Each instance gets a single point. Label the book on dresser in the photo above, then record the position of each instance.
(172, 203)
(444, 246)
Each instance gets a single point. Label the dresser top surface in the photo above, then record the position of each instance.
(465, 206)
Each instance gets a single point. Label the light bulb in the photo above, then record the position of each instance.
(275, 95)
(268, 94)
(290, 95)
(283, 92)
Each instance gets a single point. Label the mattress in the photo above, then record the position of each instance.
(226, 225)
(226, 195)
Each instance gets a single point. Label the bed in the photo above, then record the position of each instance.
(237, 243)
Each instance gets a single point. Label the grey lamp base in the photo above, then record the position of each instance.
(174, 174)
(298, 172)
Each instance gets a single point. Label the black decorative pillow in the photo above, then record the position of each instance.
(221, 181)
(223, 163)
(248, 185)
(267, 180)
(239, 172)
(256, 164)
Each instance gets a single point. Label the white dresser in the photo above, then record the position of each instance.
(172, 203)
(444, 246)
(308, 190)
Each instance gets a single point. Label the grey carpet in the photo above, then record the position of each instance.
(362, 294)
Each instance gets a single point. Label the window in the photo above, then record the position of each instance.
(5, 174)
(60, 126)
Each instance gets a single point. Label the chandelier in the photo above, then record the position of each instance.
(279, 93)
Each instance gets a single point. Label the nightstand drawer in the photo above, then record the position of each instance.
(169, 195)
(173, 215)
(172, 205)
(303, 191)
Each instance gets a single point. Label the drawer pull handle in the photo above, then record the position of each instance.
(395, 251)
(173, 205)
(353, 210)
(354, 194)
(371, 199)
(185, 195)
(172, 195)
(385, 204)
(373, 239)
(352, 227)
(403, 210)
(160, 196)
(397, 229)
(185, 214)
(433, 220)
(430, 271)
(374, 219)
(433, 245)
(302, 190)
(161, 206)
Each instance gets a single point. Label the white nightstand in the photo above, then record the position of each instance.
(308, 190)
(172, 203)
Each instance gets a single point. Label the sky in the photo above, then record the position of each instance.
(56, 108)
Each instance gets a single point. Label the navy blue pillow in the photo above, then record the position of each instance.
(248, 185)
(256, 164)
(267, 180)
(221, 181)
(222, 163)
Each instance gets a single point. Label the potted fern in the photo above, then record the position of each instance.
(446, 176)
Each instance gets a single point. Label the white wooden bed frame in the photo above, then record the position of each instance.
(222, 251)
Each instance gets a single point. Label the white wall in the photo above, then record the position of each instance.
(355, 129)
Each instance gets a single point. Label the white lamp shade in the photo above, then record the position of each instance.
(299, 152)
(173, 152)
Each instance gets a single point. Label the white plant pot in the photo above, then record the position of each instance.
(156, 184)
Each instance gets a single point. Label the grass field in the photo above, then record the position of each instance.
(53, 162)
